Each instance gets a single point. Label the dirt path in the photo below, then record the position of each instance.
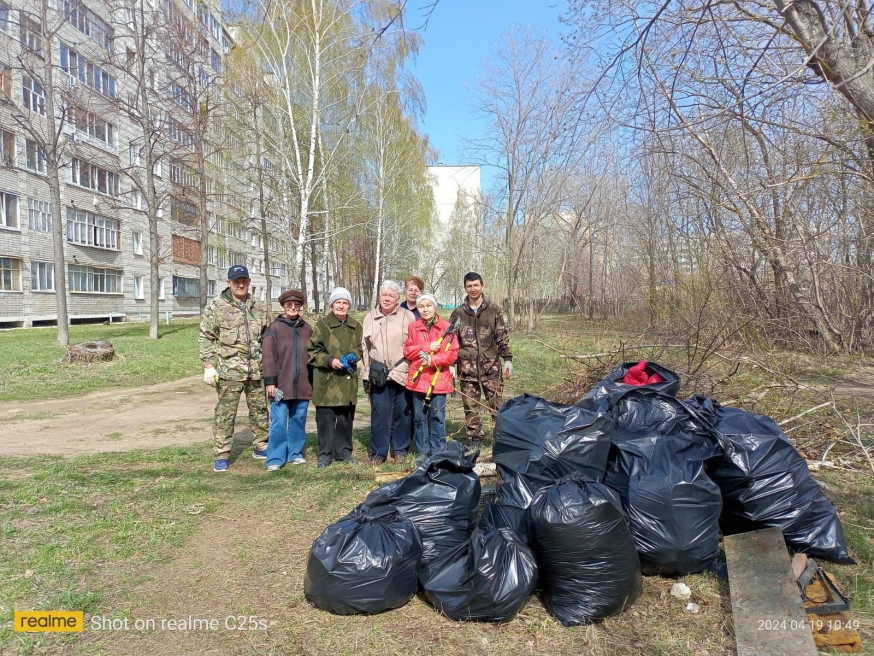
(124, 419)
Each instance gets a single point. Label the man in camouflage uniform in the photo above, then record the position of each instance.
(230, 349)
(483, 341)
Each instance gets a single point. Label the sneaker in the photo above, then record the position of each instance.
(323, 463)
(260, 455)
(299, 461)
(220, 465)
(273, 467)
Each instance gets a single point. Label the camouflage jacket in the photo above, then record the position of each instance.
(482, 340)
(331, 339)
(230, 336)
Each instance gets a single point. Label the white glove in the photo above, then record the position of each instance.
(210, 377)
(508, 368)
(453, 370)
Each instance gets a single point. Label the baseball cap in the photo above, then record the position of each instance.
(238, 271)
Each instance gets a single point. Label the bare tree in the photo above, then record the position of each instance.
(42, 119)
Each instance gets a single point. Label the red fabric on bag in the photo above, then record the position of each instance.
(637, 375)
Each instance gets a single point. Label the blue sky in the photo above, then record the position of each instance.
(459, 36)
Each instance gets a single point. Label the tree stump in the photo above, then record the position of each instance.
(98, 350)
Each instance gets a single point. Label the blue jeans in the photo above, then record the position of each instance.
(430, 427)
(287, 431)
(390, 423)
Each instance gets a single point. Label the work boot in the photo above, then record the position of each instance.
(376, 461)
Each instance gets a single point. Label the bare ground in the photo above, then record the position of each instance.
(124, 419)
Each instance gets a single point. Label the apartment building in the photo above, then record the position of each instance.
(92, 46)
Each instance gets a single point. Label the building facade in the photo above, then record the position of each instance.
(93, 48)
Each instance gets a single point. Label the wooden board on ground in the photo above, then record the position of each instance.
(769, 619)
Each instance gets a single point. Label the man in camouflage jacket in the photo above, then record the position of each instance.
(230, 349)
(483, 342)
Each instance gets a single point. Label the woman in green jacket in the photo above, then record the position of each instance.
(334, 351)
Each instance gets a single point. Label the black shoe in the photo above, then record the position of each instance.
(348, 461)
(324, 463)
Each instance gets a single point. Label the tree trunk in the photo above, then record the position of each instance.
(53, 167)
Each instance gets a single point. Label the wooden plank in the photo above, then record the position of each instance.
(769, 619)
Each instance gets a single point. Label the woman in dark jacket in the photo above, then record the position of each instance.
(288, 379)
(334, 351)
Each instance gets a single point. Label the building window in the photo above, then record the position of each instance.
(42, 277)
(4, 16)
(5, 82)
(210, 287)
(137, 240)
(93, 230)
(184, 213)
(35, 156)
(134, 154)
(89, 24)
(186, 287)
(94, 280)
(139, 290)
(7, 148)
(39, 215)
(10, 274)
(89, 74)
(161, 295)
(93, 177)
(93, 125)
(31, 35)
(34, 95)
(8, 210)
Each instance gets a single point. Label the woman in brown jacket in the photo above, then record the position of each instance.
(385, 373)
(288, 380)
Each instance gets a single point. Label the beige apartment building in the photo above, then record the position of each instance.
(106, 239)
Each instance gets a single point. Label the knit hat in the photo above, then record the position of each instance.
(292, 295)
(427, 297)
(339, 293)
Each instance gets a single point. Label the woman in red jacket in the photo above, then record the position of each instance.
(423, 348)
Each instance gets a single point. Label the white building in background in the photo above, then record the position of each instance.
(457, 189)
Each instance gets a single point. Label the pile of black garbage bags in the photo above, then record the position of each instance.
(628, 481)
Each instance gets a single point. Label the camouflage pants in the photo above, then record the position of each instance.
(229, 392)
(492, 393)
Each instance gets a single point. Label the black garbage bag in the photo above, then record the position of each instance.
(440, 497)
(546, 440)
(589, 569)
(765, 482)
(658, 469)
(671, 504)
(507, 511)
(365, 563)
(604, 394)
(487, 579)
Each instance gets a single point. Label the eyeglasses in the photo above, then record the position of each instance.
(294, 305)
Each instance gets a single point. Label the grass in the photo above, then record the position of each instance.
(31, 359)
(155, 534)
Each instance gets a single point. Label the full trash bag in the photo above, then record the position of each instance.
(672, 505)
(589, 569)
(546, 440)
(512, 498)
(487, 579)
(365, 563)
(765, 482)
(604, 394)
(440, 497)
(658, 469)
